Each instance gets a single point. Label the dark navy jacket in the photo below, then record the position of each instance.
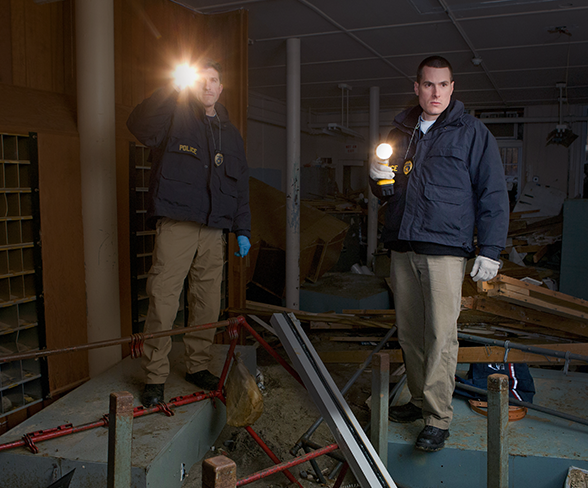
(456, 183)
(185, 182)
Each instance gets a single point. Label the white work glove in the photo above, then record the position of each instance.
(381, 171)
(484, 269)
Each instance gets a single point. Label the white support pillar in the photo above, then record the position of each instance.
(293, 173)
(372, 228)
(96, 126)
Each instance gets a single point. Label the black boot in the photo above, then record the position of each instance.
(152, 395)
(203, 379)
(404, 414)
(431, 439)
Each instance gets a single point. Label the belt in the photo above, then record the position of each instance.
(514, 412)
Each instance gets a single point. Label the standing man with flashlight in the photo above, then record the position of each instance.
(448, 180)
(199, 185)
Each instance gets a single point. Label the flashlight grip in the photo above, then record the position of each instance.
(386, 187)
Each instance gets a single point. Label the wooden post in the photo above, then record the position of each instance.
(497, 431)
(120, 438)
(219, 472)
(379, 420)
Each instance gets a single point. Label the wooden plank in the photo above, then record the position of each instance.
(38, 45)
(19, 52)
(25, 110)
(63, 258)
(365, 311)
(329, 326)
(57, 38)
(69, 79)
(482, 354)
(536, 304)
(5, 43)
(540, 253)
(524, 314)
(359, 339)
(574, 302)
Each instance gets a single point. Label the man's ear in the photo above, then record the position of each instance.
(416, 88)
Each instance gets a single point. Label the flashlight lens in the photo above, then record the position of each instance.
(184, 75)
(384, 151)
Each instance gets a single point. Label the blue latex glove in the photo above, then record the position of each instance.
(244, 246)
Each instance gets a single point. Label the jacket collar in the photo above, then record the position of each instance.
(222, 112)
(408, 119)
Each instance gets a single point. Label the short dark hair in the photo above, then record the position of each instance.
(211, 63)
(434, 62)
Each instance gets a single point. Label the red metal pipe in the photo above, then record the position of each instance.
(271, 455)
(225, 372)
(29, 440)
(265, 448)
(287, 464)
(341, 476)
(270, 350)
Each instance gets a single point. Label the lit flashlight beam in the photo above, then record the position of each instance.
(185, 75)
(384, 151)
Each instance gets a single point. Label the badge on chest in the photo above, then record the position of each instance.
(407, 168)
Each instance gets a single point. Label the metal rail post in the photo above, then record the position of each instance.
(379, 419)
(497, 431)
(120, 438)
(219, 472)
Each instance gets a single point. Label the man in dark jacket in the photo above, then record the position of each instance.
(199, 185)
(449, 180)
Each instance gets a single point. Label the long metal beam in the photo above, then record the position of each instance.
(359, 453)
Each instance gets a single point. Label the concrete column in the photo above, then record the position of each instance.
(96, 126)
(293, 173)
(372, 229)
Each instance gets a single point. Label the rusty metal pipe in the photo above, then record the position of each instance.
(30, 439)
(270, 350)
(286, 464)
(114, 342)
(271, 455)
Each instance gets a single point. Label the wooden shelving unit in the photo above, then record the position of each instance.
(22, 383)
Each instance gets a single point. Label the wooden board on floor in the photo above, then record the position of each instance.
(482, 354)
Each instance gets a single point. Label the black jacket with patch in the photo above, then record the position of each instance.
(186, 184)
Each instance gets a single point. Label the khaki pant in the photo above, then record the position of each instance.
(427, 299)
(183, 249)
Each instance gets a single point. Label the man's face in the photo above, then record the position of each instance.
(434, 91)
(208, 87)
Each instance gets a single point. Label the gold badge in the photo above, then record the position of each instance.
(218, 159)
(407, 167)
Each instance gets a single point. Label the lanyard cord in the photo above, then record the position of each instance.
(220, 142)
(418, 124)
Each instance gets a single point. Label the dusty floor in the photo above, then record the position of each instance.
(288, 413)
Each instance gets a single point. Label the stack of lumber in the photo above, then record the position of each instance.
(504, 308)
(536, 237)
